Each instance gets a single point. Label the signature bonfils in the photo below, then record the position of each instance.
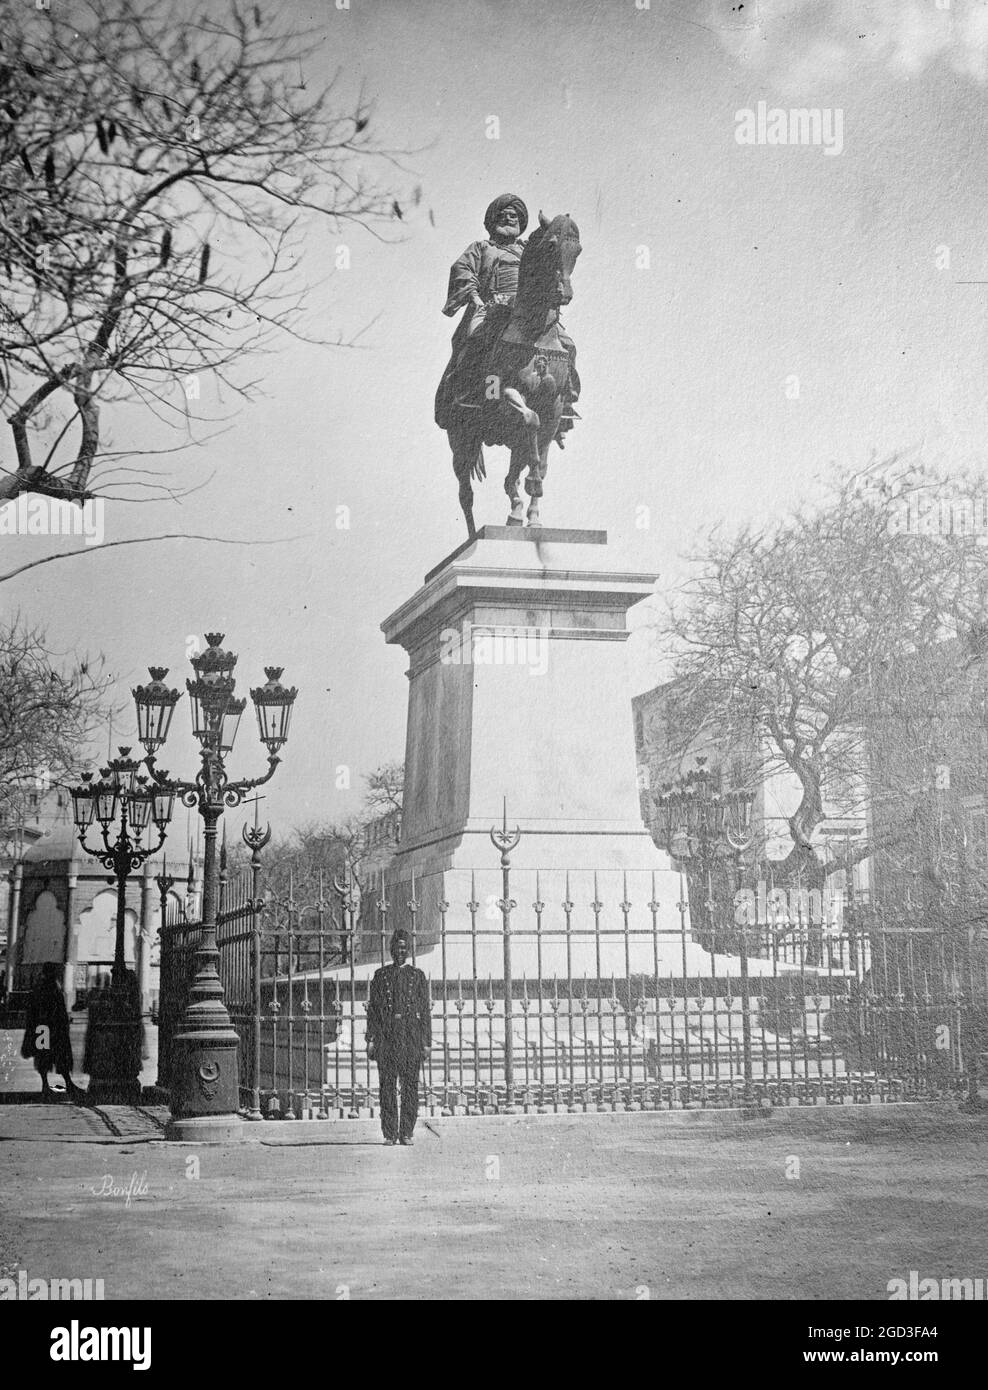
(137, 1187)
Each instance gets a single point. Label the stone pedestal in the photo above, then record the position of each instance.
(519, 695)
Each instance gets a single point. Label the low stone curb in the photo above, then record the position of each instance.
(366, 1129)
(116, 1124)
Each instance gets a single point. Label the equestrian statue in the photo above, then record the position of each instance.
(512, 377)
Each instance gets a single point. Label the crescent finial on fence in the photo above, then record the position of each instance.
(255, 838)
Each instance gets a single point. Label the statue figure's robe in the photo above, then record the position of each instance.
(487, 271)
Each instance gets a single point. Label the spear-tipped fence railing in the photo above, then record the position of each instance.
(579, 1005)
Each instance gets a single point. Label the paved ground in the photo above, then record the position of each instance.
(591, 1207)
(810, 1203)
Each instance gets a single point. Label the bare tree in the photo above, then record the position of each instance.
(319, 858)
(318, 853)
(50, 708)
(787, 641)
(929, 779)
(385, 788)
(158, 165)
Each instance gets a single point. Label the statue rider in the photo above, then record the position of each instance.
(484, 281)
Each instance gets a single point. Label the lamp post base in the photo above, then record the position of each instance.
(205, 1085)
(113, 1050)
(206, 1129)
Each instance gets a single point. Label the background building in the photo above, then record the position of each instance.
(33, 814)
(62, 905)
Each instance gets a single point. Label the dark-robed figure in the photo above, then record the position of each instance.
(46, 1035)
(399, 1032)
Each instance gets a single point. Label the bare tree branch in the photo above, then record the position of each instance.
(143, 540)
(158, 174)
(49, 710)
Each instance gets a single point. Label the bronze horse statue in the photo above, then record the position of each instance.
(529, 378)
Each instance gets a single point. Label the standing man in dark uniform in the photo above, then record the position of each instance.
(399, 1031)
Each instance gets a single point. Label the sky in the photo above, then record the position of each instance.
(747, 316)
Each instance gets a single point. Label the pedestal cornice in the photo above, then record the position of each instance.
(543, 570)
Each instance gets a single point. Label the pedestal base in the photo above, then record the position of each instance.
(206, 1129)
(620, 923)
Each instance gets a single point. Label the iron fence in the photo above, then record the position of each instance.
(589, 1006)
(179, 940)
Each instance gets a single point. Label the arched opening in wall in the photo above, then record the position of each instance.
(43, 940)
(97, 945)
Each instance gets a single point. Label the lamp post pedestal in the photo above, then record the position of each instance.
(114, 1031)
(205, 1069)
(205, 1091)
(113, 1047)
(205, 1073)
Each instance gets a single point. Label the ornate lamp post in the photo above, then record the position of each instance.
(698, 822)
(114, 1037)
(205, 1089)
